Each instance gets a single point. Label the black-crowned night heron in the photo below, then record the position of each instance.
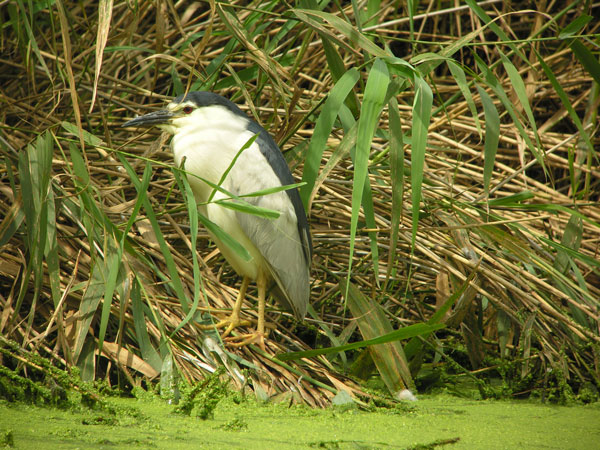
(208, 133)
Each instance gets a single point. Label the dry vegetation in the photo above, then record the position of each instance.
(96, 253)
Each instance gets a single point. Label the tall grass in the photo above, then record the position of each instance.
(449, 169)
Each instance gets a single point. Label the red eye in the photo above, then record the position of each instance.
(188, 109)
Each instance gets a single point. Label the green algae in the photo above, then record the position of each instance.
(204, 397)
(433, 422)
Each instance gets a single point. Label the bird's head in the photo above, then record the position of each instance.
(190, 110)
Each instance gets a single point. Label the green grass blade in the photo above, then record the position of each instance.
(575, 27)
(410, 7)
(370, 15)
(493, 82)
(232, 196)
(461, 80)
(87, 360)
(51, 250)
(334, 60)
(495, 28)
(88, 137)
(91, 214)
(356, 38)
(12, 221)
(90, 300)
(369, 212)
(233, 161)
(416, 344)
(571, 239)
(564, 100)
(212, 227)
(149, 353)
(421, 116)
(193, 214)
(28, 192)
(372, 105)
(112, 261)
(492, 137)
(247, 208)
(214, 69)
(551, 207)
(339, 153)
(272, 190)
(338, 70)
(568, 251)
(373, 322)
(514, 200)
(587, 59)
(239, 30)
(113, 255)
(32, 41)
(322, 130)
(519, 87)
(325, 33)
(431, 61)
(224, 237)
(175, 280)
(397, 179)
(408, 332)
(35, 169)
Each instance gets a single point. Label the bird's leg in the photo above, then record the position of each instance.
(259, 335)
(233, 321)
(261, 283)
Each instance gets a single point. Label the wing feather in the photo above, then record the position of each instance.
(284, 242)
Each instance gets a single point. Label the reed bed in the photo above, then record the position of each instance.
(449, 156)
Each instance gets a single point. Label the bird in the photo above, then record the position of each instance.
(209, 133)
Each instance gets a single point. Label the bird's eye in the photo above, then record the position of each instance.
(188, 109)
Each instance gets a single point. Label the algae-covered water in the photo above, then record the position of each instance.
(432, 422)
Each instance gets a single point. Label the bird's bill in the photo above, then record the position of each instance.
(160, 117)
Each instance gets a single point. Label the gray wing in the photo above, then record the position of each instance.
(281, 246)
(285, 242)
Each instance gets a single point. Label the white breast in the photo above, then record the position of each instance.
(209, 140)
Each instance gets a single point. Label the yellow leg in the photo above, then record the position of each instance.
(261, 283)
(259, 335)
(233, 321)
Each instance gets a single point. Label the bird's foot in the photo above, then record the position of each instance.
(234, 321)
(246, 339)
(229, 324)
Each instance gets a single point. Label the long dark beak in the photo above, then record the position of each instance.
(162, 116)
